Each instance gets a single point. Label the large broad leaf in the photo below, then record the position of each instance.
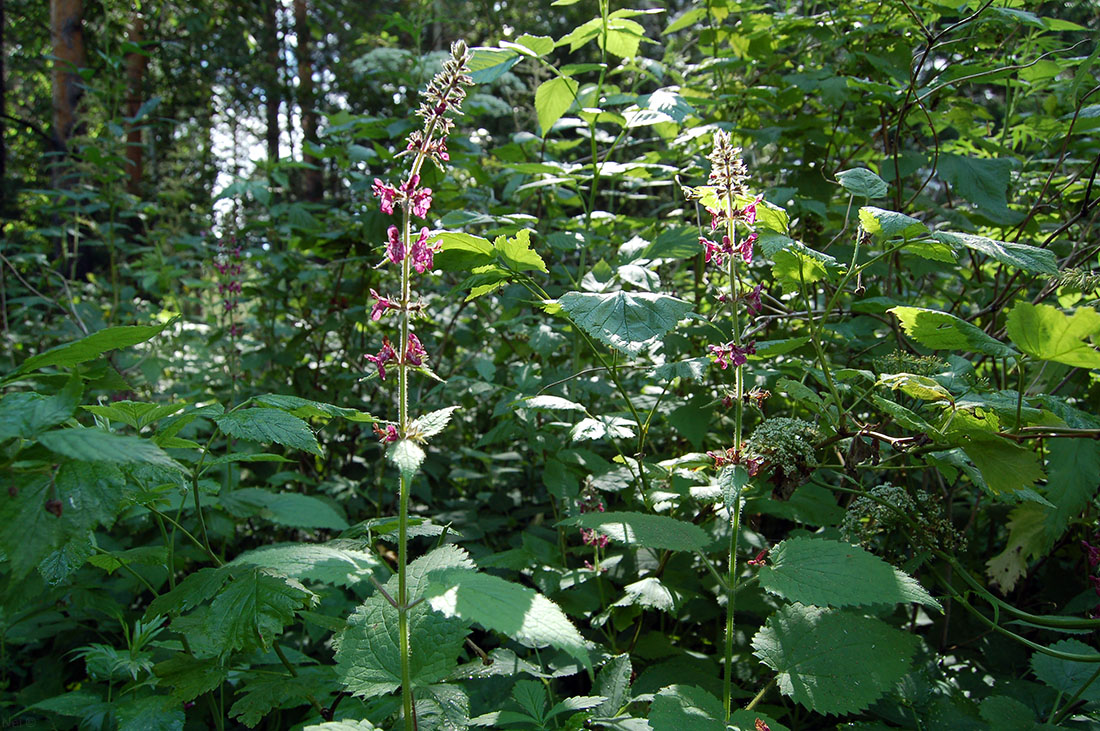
(190, 677)
(305, 408)
(92, 346)
(269, 425)
(890, 224)
(368, 660)
(862, 182)
(626, 321)
(263, 692)
(516, 611)
(149, 713)
(552, 98)
(96, 445)
(253, 609)
(1064, 676)
(27, 414)
(407, 456)
(830, 573)
(645, 530)
(943, 331)
(1043, 331)
(833, 661)
(1021, 256)
(1027, 540)
(286, 508)
(613, 683)
(686, 707)
(462, 252)
(195, 589)
(517, 253)
(331, 563)
(794, 264)
(982, 181)
(1074, 466)
(1005, 467)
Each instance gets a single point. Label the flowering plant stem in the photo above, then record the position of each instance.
(735, 509)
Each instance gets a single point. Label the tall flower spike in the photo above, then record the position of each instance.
(727, 170)
(446, 90)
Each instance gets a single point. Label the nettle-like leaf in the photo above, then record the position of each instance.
(134, 413)
(443, 707)
(553, 98)
(1045, 332)
(368, 658)
(304, 408)
(1005, 467)
(336, 563)
(890, 224)
(407, 456)
(27, 414)
(253, 608)
(644, 530)
(190, 677)
(833, 661)
(286, 508)
(517, 253)
(862, 182)
(626, 321)
(261, 694)
(1028, 258)
(267, 425)
(686, 707)
(516, 611)
(794, 264)
(613, 683)
(1065, 676)
(943, 331)
(196, 588)
(95, 445)
(427, 426)
(89, 347)
(829, 573)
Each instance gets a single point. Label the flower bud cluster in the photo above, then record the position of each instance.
(446, 91)
(732, 354)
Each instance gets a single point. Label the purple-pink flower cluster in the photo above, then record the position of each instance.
(592, 504)
(227, 262)
(415, 355)
(419, 200)
(732, 354)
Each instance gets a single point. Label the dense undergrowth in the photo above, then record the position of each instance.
(728, 369)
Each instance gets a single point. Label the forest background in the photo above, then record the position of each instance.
(676, 365)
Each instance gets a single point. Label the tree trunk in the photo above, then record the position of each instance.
(136, 64)
(67, 34)
(271, 105)
(311, 177)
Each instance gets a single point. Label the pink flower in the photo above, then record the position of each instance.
(389, 434)
(395, 248)
(731, 353)
(422, 254)
(387, 193)
(385, 355)
(414, 351)
(380, 306)
(421, 200)
(1092, 554)
(752, 300)
(746, 247)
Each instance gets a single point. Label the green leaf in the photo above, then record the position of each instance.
(643, 529)
(1007, 714)
(253, 609)
(28, 532)
(1006, 467)
(552, 98)
(889, 224)
(90, 347)
(1065, 676)
(862, 182)
(461, 252)
(553, 403)
(539, 45)
(794, 263)
(649, 592)
(427, 426)
(1027, 540)
(613, 683)
(368, 658)
(269, 425)
(833, 661)
(1045, 332)
(194, 590)
(151, 713)
(286, 508)
(1021, 256)
(830, 573)
(626, 321)
(407, 456)
(489, 64)
(686, 707)
(96, 445)
(263, 693)
(920, 387)
(516, 611)
(692, 368)
(1074, 466)
(943, 331)
(517, 253)
(134, 414)
(336, 563)
(190, 677)
(304, 408)
(983, 182)
(28, 414)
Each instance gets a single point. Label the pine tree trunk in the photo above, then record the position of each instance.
(136, 64)
(271, 105)
(311, 177)
(67, 34)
